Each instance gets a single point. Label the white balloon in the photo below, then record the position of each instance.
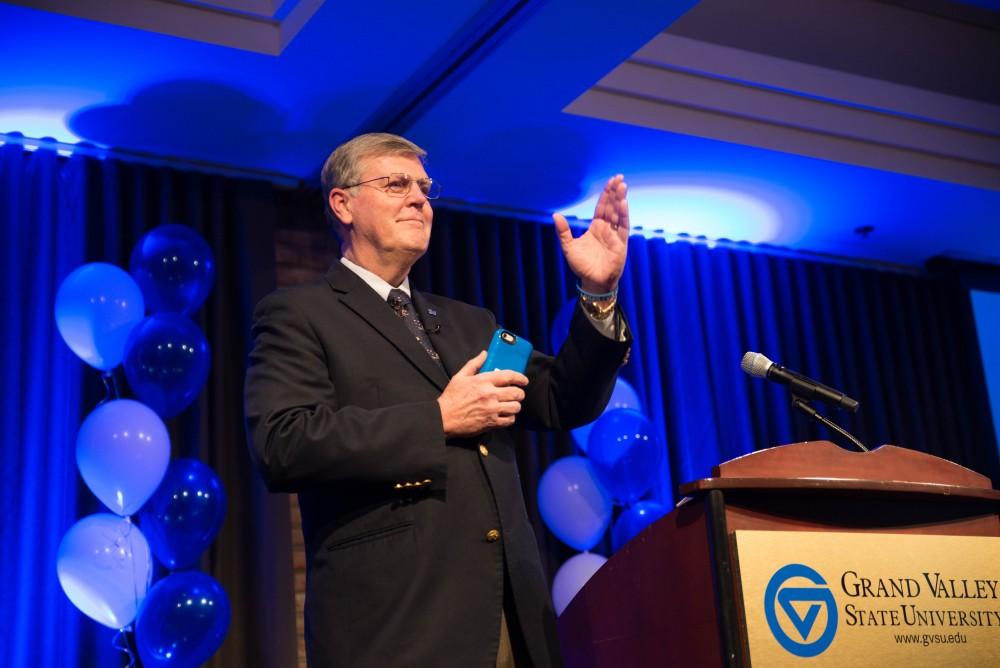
(573, 504)
(571, 577)
(122, 451)
(104, 567)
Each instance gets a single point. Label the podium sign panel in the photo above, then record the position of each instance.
(869, 599)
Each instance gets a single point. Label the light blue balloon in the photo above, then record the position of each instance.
(571, 577)
(625, 453)
(623, 396)
(96, 308)
(122, 451)
(633, 520)
(183, 621)
(104, 567)
(573, 504)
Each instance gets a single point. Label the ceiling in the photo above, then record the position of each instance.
(863, 128)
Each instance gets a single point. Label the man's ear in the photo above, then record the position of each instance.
(340, 205)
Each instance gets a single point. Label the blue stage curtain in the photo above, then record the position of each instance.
(901, 344)
(40, 411)
(57, 214)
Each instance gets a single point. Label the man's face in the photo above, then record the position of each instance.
(386, 224)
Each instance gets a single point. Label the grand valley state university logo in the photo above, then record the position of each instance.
(792, 610)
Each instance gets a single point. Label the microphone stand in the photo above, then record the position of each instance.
(813, 414)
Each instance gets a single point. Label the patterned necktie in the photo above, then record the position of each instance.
(400, 303)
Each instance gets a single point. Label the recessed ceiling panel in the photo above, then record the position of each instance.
(263, 26)
(712, 90)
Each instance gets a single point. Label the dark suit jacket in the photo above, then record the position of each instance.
(341, 408)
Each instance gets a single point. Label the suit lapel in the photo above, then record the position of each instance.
(356, 295)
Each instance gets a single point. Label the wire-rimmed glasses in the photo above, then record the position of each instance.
(398, 185)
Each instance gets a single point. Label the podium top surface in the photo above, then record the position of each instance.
(822, 464)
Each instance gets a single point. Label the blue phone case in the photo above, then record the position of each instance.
(507, 351)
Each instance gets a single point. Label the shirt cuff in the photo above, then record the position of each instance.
(613, 328)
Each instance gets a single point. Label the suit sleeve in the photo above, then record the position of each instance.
(572, 388)
(300, 434)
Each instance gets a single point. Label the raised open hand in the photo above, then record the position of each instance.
(597, 257)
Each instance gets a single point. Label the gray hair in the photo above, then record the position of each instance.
(344, 164)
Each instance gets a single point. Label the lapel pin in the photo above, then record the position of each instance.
(431, 311)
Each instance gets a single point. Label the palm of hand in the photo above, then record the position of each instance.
(597, 257)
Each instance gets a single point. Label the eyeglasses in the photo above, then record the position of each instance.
(398, 185)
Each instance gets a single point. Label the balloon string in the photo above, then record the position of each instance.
(131, 549)
(121, 642)
(110, 386)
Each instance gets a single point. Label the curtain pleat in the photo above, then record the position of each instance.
(57, 214)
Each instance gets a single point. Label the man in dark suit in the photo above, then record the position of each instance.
(362, 395)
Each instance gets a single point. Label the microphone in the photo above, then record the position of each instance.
(759, 366)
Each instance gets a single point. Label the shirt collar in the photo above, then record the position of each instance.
(375, 282)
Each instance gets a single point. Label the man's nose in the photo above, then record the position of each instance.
(415, 196)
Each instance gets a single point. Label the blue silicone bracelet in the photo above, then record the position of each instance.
(596, 297)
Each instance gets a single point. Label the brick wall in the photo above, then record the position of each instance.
(302, 253)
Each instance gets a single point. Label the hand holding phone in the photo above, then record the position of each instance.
(472, 402)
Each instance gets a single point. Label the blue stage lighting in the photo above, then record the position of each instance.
(986, 306)
(36, 122)
(713, 211)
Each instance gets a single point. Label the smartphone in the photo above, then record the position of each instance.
(507, 351)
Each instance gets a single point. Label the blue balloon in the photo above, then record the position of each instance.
(174, 267)
(571, 577)
(625, 453)
(560, 326)
(183, 621)
(167, 362)
(104, 567)
(573, 504)
(633, 520)
(185, 513)
(623, 396)
(122, 451)
(96, 308)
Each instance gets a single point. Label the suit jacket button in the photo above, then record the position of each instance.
(483, 450)
(493, 535)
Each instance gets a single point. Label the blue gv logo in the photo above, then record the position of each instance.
(800, 606)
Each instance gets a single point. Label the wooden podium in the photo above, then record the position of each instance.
(670, 597)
